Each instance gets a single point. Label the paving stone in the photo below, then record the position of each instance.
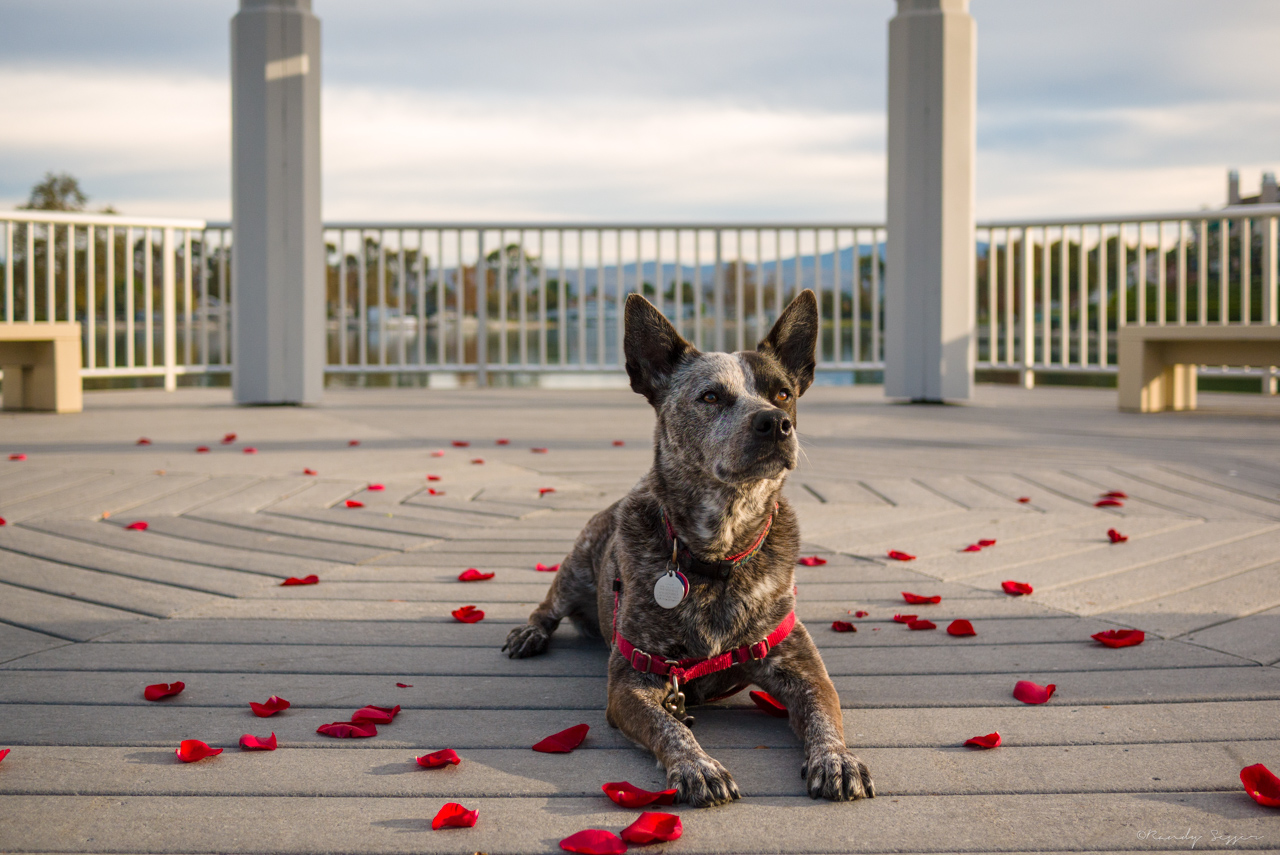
(91, 586)
(61, 617)
(1255, 636)
(16, 642)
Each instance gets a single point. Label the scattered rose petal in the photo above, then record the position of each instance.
(564, 741)
(1016, 589)
(163, 690)
(653, 827)
(454, 815)
(467, 614)
(432, 491)
(348, 730)
(140, 525)
(502, 442)
(898, 555)
(812, 561)
(352, 442)
(904, 618)
(478, 461)
(354, 503)
(202, 449)
(249, 449)
(973, 547)
(1024, 499)
(542, 491)
(460, 443)
(273, 705)
(921, 624)
(617, 443)
(228, 438)
(404, 685)
(18, 456)
(249, 742)
(769, 704)
(2, 521)
(843, 626)
(1115, 494)
(310, 472)
(628, 795)
(436, 759)
(433, 477)
(1120, 637)
(375, 715)
(4, 752)
(376, 487)
(594, 841)
(313, 579)
(1108, 503)
(1032, 693)
(1115, 536)
(437, 454)
(1261, 785)
(471, 574)
(918, 600)
(985, 543)
(143, 441)
(546, 568)
(960, 628)
(192, 750)
(991, 740)
(538, 450)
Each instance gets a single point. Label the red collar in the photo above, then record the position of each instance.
(715, 569)
(691, 669)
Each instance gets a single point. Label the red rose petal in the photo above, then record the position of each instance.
(1032, 693)
(375, 715)
(546, 568)
(249, 449)
(143, 441)
(985, 543)
(1115, 536)
(538, 450)
(594, 841)
(2, 521)
(354, 503)
(273, 705)
(1115, 494)
(618, 442)
(467, 614)
(192, 750)
(471, 574)
(843, 626)
(1108, 503)
(1024, 499)
(478, 461)
(437, 759)
(922, 624)
(202, 449)
(404, 685)
(502, 442)
(564, 741)
(348, 730)
(1120, 637)
(769, 705)
(163, 690)
(542, 491)
(918, 600)
(1261, 785)
(228, 438)
(309, 472)
(653, 827)
(376, 487)
(4, 752)
(433, 477)
(629, 795)
(860, 613)
(353, 442)
(973, 547)
(249, 742)
(432, 491)
(313, 579)
(454, 815)
(1016, 589)
(898, 555)
(991, 740)
(140, 525)
(812, 561)
(904, 618)
(960, 627)
(18, 456)
(460, 443)
(437, 454)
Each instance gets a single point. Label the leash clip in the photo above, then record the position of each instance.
(673, 703)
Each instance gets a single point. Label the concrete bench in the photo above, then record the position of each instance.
(41, 365)
(1157, 365)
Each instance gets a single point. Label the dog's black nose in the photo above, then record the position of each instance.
(771, 423)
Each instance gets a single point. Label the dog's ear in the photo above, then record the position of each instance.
(794, 339)
(653, 348)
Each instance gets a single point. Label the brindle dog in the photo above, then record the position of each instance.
(724, 442)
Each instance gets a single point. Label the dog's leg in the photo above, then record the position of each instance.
(562, 599)
(635, 708)
(795, 675)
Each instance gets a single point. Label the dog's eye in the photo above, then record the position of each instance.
(783, 396)
(710, 397)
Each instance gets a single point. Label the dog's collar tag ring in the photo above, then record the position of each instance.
(670, 589)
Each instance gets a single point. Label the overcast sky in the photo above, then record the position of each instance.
(662, 109)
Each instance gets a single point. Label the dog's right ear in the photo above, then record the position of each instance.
(653, 348)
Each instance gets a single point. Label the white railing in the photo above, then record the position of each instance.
(1053, 293)
(135, 284)
(413, 297)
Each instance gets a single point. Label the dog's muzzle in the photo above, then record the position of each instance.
(772, 424)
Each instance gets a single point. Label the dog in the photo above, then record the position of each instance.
(691, 575)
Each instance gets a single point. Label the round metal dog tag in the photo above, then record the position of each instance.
(670, 589)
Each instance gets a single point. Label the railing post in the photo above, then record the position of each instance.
(168, 308)
(482, 313)
(1028, 311)
(718, 280)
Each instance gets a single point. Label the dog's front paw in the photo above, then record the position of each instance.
(838, 775)
(702, 782)
(527, 640)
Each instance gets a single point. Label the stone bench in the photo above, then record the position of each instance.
(41, 365)
(1157, 365)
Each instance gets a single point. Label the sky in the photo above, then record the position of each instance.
(690, 110)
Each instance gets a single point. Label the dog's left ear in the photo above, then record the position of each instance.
(794, 339)
(653, 348)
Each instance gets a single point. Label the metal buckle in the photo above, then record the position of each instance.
(648, 660)
(764, 648)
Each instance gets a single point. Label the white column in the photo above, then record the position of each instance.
(929, 269)
(277, 254)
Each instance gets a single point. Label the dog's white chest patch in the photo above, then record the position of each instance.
(670, 589)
